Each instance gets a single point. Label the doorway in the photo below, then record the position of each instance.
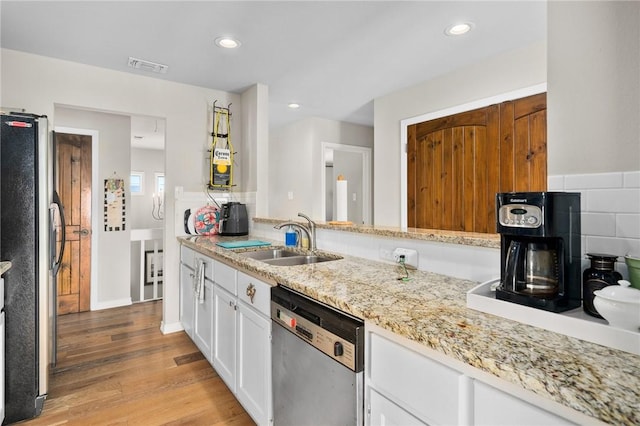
(354, 164)
(73, 184)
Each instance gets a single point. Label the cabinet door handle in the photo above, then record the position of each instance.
(251, 292)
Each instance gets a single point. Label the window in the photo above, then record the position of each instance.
(136, 183)
(159, 183)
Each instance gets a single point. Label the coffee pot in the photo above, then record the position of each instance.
(532, 268)
(540, 249)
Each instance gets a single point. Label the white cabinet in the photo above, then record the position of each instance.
(203, 321)
(187, 307)
(387, 413)
(242, 344)
(224, 346)
(406, 384)
(232, 328)
(196, 299)
(425, 388)
(493, 407)
(254, 349)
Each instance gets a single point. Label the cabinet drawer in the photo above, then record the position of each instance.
(425, 387)
(385, 412)
(187, 256)
(225, 277)
(261, 296)
(208, 265)
(494, 407)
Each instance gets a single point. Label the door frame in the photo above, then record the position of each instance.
(95, 136)
(480, 103)
(366, 176)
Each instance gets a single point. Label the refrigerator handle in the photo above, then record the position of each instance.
(63, 240)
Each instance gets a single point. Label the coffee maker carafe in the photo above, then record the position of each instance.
(540, 249)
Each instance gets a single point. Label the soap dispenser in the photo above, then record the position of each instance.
(290, 237)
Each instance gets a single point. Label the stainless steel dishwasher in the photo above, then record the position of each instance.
(317, 362)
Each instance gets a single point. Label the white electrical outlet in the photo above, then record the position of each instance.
(410, 257)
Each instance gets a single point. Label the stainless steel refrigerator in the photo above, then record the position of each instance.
(28, 240)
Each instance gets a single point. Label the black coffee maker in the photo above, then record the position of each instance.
(540, 249)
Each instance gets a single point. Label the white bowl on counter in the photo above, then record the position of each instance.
(619, 305)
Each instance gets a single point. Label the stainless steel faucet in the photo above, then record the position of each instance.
(310, 230)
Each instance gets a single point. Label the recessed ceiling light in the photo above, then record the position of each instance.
(227, 42)
(293, 105)
(458, 29)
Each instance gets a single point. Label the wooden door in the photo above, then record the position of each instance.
(457, 164)
(74, 188)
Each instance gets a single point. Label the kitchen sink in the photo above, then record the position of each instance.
(299, 260)
(267, 254)
(284, 257)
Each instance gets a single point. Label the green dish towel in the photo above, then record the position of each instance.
(241, 244)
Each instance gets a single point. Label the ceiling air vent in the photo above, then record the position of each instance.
(141, 64)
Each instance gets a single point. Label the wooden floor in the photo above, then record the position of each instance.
(115, 367)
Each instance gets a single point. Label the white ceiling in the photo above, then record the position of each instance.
(332, 57)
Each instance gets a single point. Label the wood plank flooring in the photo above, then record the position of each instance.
(115, 367)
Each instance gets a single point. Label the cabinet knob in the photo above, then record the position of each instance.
(251, 292)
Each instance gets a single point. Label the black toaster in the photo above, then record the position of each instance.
(233, 219)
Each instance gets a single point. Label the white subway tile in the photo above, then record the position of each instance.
(555, 183)
(612, 245)
(628, 225)
(593, 181)
(601, 224)
(584, 196)
(631, 179)
(613, 201)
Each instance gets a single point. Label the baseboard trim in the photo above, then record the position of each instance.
(170, 328)
(111, 304)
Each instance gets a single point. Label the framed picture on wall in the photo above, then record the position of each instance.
(153, 266)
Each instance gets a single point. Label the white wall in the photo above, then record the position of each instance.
(348, 164)
(37, 83)
(149, 161)
(593, 87)
(296, 160)
(504, 73)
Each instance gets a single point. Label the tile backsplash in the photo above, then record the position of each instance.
(610, 205)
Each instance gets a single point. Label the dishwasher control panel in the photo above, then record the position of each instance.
(330, 344)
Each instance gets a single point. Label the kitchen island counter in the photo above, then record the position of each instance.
(430, 309)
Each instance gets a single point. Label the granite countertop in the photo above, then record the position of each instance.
(430, 309)
(432, 235)
(4, 267)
